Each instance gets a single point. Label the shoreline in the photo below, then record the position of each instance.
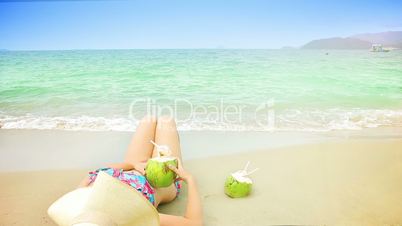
(69, 150)
(33, 150)
(350, 182)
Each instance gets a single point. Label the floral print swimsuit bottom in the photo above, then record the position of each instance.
(136, 181)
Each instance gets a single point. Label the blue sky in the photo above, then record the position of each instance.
(37, 25)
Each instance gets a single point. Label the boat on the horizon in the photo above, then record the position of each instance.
(378, 48)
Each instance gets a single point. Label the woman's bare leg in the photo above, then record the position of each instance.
(166, 134)
(140, 148)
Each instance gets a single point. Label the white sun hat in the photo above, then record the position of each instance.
(109, 202)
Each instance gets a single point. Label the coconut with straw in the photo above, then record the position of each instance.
(157, 171)
(238, 184)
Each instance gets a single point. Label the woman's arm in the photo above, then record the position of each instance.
(140, 167)
(193, 210)
(193, 215)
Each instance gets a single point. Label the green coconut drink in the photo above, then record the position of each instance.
(157, 171)
(238, 184)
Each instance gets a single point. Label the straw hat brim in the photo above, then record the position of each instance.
(108, 202)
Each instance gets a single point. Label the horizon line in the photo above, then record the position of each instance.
(26, 50)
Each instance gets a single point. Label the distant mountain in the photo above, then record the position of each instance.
(389, 38)
(359, 41)
(338, 43)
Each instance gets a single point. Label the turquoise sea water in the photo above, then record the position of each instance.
(306, 90)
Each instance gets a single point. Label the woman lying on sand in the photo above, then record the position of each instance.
(162, 131)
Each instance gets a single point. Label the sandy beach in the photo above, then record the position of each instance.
(308, 92)
(354, 181)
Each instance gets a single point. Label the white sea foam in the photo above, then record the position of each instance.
(85, 123)
(289, 120)
(338, 119)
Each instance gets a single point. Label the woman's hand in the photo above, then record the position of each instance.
(181, 172)
(84, 183)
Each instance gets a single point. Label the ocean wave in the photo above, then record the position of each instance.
(338, 119)
(288, 120)
(85, 123)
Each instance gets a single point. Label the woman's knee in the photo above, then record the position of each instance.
(166, 122)
(148, 119)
